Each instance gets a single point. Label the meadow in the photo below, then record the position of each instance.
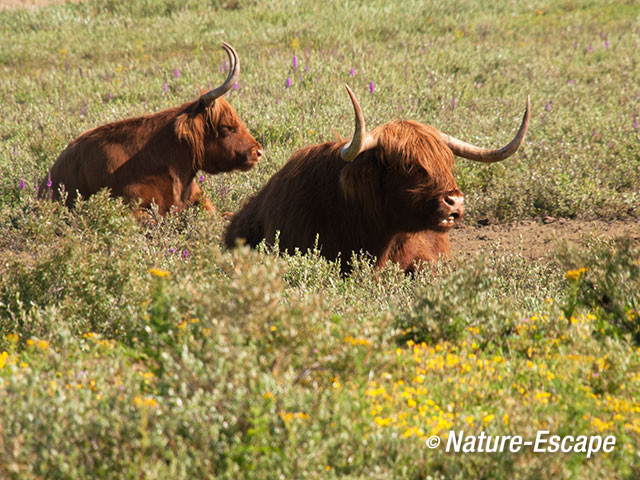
(150, 351)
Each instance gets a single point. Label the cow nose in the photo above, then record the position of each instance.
(455, 204)
(259, 153)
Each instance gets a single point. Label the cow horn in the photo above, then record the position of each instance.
(479, 154)
(362, 140)
(232, 78)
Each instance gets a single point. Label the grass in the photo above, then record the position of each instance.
(151, 352)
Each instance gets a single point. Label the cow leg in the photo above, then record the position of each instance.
(198, 197)
(144, 217)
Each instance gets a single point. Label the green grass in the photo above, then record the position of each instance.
(250, 364)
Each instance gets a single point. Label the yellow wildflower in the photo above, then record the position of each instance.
(147, 401)
(357, 341)
(374, 392)
(575, 274)
(157, 272)
(383, 422)
(3, 359)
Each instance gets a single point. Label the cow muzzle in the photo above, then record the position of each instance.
(452, 206)
(252, 158)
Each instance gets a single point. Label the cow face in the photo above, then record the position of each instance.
(416, 205)
(418, 180)
(228, 144)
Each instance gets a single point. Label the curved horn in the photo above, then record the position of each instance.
(234, 74)
(479, 154)
(362, 140)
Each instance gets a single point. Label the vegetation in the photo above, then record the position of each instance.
(134, 351)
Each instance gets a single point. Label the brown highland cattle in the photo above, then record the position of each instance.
(155, 158)
(389, 192)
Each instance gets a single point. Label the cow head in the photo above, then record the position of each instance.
(217, 136)
(403, 171)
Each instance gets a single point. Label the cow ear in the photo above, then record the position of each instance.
(360, 182)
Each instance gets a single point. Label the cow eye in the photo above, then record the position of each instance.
(225, 130)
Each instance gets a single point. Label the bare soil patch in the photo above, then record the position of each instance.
(536, 239)
(5, 4)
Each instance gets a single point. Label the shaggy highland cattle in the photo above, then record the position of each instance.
(155, 158)
(389, 192)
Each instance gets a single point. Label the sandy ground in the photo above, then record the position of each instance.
(536, 239)
(4, 4)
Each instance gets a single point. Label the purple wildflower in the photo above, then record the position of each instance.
(49, 182)
(21, 184)
(277, 101)
(572, 82)
(235, 86)
(635, 122)
(201, 179)
(185, 253)
(352, 72)
(371, 87)
(306, 68)
(295, 62)
(591, 48)
(547, 107)
(288, 82)
(164, 87)
(606, 43)
(176, 73)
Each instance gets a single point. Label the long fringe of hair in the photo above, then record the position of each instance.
(197, 121)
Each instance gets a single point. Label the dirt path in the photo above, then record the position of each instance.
(4, 4)
(535, 239)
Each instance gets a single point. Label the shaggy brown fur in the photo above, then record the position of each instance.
(155, 158)
(376, 204)
(410, 250)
